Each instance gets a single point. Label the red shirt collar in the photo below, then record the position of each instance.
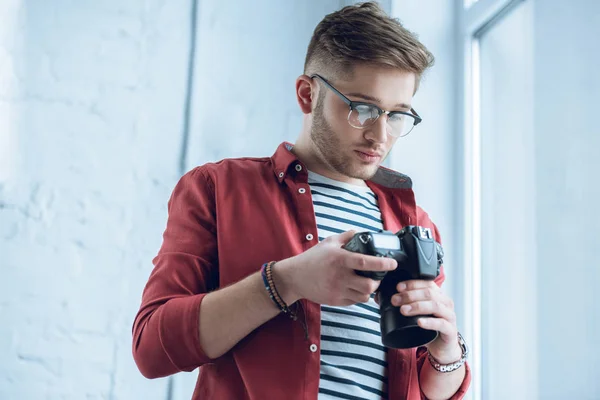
(283, 158)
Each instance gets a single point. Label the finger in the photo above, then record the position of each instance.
(341, 303)
(347, 297)
(340, 239)
(429, 307)
(347, 302)
(362, 284)
(428, 293)
(357, 297)
(446, 329)
(416, 284)
(369, 263)
(411, 296)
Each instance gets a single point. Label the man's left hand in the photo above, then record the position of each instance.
(419, 297)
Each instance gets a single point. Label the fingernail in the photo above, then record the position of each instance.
(405, 309)
(401, 286)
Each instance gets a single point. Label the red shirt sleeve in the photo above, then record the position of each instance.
(166, 335)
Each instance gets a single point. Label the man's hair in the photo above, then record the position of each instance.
(364, 34)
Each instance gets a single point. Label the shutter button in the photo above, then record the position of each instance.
(313, 347)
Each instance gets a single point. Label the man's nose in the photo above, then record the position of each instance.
(378, 132)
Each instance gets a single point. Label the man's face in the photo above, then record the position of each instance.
(350, 153)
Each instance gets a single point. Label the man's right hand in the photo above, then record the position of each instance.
(325, 274)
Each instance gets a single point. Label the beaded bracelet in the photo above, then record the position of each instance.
(267, 276)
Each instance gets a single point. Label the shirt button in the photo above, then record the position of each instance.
(313, 347)
(281, 174)
(298, 167)
(309, 237)
(301, 190)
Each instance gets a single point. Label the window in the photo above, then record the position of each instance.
(499, 195)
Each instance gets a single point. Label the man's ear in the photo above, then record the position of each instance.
(306, 93)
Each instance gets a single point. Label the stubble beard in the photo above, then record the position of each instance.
(330, 149)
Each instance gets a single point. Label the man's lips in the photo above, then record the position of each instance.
(369, 153)
(368, 156)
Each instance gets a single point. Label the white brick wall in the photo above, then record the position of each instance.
(95, 94)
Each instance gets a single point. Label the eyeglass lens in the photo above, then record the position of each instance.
(363, 115)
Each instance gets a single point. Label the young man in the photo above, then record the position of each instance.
(209, 304)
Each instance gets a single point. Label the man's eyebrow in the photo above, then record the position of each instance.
(376, 100)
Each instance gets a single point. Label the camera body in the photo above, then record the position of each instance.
(378, 244)
(419, 256)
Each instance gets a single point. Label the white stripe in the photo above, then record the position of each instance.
(366, 201)
(345, 215)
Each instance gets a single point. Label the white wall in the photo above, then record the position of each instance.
(567, 136)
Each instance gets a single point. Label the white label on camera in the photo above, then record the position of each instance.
(386, 241)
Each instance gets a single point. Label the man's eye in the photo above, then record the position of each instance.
(366, 110)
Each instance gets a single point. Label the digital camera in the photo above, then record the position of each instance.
(419, 256)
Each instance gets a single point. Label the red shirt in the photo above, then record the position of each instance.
(225, 220)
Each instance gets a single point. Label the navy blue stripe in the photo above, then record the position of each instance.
(352, 313)
(368, 307)
(337, 339)
(347, 221)
(357, 371)
(354, 356)
(321, 238)
(352, 383)
(356, 203)
(352, 327)
(348, 210)
(339, 189)
(330, 229)
(372, 194)
(339, 395)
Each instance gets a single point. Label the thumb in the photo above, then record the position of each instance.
(342, 238)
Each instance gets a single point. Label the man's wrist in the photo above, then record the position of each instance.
(447, 356)
(284, 281)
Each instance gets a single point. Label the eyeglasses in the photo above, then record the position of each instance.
(363, 115)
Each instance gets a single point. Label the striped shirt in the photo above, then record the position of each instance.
(353, 360)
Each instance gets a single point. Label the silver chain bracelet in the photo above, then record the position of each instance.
(455, 365)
